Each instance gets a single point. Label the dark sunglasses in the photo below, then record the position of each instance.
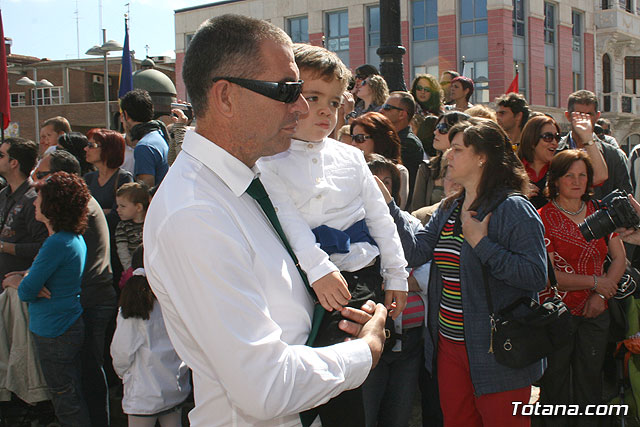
(550, 137)
(422, 88)
(42, 174)
(443, 128)
(388, 107)
(360, 138)
(287, 92)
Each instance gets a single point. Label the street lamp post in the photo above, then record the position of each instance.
(107, 46)
(391, 49)
(35, 84)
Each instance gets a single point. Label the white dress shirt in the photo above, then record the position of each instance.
(154, 377)
(234, 304)
(329, 183)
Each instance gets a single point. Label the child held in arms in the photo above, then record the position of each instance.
(334, 216)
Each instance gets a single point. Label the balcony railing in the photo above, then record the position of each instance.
(618, 102)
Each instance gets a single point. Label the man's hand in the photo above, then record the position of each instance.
(367, 324)
(594, 307)
(395, 302)
(581, 124)
(332, 291)
(384, 190)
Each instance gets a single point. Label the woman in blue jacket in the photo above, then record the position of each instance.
(52, 289)
(480, 225)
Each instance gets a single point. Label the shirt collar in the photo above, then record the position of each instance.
(299, 145)
(235, 174)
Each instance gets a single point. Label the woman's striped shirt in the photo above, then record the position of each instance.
(447, 257)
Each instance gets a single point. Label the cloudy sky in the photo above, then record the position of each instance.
(47, 28)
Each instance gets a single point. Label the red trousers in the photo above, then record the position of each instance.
(460, 406)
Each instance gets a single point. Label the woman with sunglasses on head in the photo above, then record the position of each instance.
(428, 96)
(373, 92)
(538, 144)
(429, 188)
(574, 372)
(374, 133)
(484, 227)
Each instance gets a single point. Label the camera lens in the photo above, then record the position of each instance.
(597, 225)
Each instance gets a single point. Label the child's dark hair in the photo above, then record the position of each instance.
(135, 192)
(137, 299)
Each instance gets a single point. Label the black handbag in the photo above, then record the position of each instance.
(526, 331)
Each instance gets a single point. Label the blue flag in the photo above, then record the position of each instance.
(126, 78)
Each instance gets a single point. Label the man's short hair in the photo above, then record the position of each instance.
(138, 105)
(517, 103)
(24, 151)
(62, 160)
(582, 97)
(225, 46)
(452, 73)
(602, 121)
(407, 101)
(59, 124)
(321, 63)
(466, 83)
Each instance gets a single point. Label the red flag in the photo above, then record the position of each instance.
(513, 87)
(5, 97)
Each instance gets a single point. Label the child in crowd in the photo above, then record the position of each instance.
(132, 200)
(156, 381)
(334, 215)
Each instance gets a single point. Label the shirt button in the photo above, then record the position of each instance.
(318, 179)
(309, 145)
(275, 209)
(314, 160)
(319, 196)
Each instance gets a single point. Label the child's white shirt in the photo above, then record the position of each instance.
(329, 183)
(154, 377)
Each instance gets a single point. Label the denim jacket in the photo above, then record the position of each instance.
(514, 254)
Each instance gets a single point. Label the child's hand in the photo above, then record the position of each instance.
(395, 301)
(332, 291)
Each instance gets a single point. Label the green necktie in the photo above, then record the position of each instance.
(257, 191)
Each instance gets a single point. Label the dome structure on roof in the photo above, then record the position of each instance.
(160, 87)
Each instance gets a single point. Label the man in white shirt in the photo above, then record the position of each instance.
(234, 303)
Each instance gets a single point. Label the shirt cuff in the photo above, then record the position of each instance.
(321, 270)
(395, 284)
(356, 356)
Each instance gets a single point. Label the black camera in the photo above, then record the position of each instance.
(615, 212)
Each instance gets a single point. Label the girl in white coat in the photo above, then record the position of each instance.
(156, 381)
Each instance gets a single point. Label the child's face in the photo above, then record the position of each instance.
(324, 98)
(127, 209)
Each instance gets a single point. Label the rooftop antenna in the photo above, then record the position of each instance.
(100, 41)
(77, 29)
(146, 48)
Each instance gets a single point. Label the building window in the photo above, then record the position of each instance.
(298, 29)
(605, 4)
(606, 73)
(478, 71)
(187, 40)
(518, 18)
(48, 95)
(578, 80)
(424, 20)
(549, 23)
(338, 34)
(550, 86)
(18, 99)
(632, 74)
(373, 34)
(473, 17)
(627, 5)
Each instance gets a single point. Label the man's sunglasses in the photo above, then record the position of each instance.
(388, 107)
(550, 137)
(287, 92)
(360, 138)
(443, 128)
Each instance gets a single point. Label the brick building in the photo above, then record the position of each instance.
(553, 43)
(77, 92)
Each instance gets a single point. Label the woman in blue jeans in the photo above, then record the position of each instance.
(52, 288)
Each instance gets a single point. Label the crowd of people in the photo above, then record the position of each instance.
(297, 278)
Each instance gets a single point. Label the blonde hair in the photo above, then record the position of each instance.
(482, 111)
(379, 89)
